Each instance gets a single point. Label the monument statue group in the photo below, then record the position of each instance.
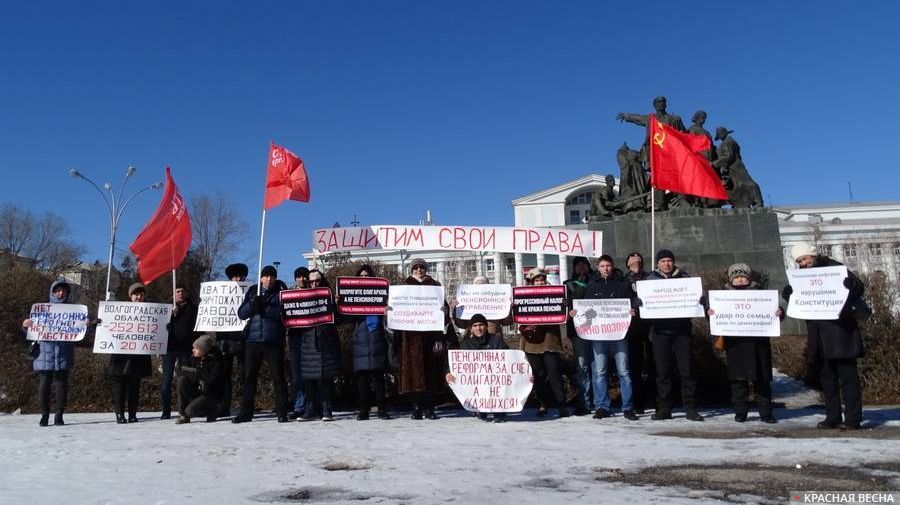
(634, 166)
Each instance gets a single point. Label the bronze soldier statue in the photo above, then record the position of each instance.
(742, 189)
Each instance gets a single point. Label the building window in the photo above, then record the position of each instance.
(897, 249)
(583, 198)
(850, 250)
(823, 249)
(875, 250)
(574, 217)
(471, 268)
(836, 220)
(489, 266)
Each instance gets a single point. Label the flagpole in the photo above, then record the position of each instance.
(262, 233)
(173, 285)
(652, 220)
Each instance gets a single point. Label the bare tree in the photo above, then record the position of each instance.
(44, 240)
(217, 231)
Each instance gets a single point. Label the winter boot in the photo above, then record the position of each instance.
(44, 420)
(58, 419)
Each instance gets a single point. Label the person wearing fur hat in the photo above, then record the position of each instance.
(265, 342)
(542, 344)
(231, 343)
(584, 355)
(320, 361)
(200, 386)
(127, 370)
(53, 362)
(423, 354)
(477, 338)
(833, 346)
(640, 349)
(749, 359)
(671, 339)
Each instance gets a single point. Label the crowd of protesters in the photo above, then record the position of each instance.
(654, 356)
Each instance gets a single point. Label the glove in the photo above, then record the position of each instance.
(590, 314)
(260, 304)
(637, 302)
(787, 292)
(848, 283)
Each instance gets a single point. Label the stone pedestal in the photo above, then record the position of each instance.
(703, 240)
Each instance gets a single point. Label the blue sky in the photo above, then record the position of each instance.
(401, 106)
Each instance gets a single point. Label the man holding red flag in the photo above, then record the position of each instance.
(163, 243)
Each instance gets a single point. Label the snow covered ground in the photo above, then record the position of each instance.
(457, 458)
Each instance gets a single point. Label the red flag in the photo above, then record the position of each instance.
(677, 165)
(163, 243)
(286, 178)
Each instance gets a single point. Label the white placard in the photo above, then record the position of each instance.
(219, 302)
(602, 319)
(490, 381)
(560, 241)
(493, 301)
(670, 298)
(818, 293)
(744, 313)
(416, 308)
(57, 322)
(132, 328)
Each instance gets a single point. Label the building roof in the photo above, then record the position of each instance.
(566, 187)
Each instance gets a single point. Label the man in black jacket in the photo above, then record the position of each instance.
(231, 344)
(584, 354)
(610, 283)
(832, 346)
(672, 348)
(178, 352)
(200, 387)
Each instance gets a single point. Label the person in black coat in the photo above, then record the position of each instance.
(610, 283)
(370, 358)
(265, 341)
(297, 399)
(231, 343)
(178, 351)
(640, 349)
(320, 362)
(832, 347)
(749, 359)
(201, 386)
(672, 349)
(126, 371)
(477, 338)
(584, 354)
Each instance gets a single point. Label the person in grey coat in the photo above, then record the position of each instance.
(53, 362)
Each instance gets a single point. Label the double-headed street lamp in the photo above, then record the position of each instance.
(116, 207)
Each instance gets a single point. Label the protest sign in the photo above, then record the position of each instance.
(58, 322)
(744, 313)
(132, 328)
(364, 296)
(490, 300)
(604, 319)
(670, 298)
(490, 381)
(819, 293)
(561, 241)
(539, 305)
(416, 308)
(306, 307)
(219, 302)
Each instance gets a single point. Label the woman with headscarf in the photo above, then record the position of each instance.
(53, 362)
(370, 360)
(749, 359)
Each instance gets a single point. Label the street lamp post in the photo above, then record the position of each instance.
(116, 207)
